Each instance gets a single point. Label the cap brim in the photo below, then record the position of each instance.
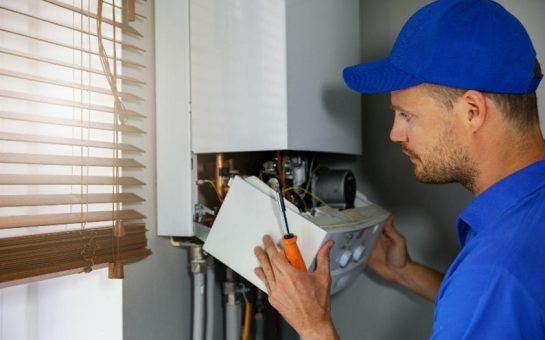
(378, 77)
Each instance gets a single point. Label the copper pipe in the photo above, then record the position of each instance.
(219, 177)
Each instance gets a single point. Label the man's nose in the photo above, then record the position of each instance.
(398, 133)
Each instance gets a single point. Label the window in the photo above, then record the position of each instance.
(66, 109)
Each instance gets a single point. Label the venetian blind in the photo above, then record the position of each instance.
(66, 105)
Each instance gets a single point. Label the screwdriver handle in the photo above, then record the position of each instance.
(293, 255)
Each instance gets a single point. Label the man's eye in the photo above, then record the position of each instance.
(405, 115)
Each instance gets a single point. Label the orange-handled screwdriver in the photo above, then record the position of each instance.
(291, 250)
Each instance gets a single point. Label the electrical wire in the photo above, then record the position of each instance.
(280, 169)
(307, 192)
(280, 166)
(213, 186)
(265, 172)
(297, 198)
(310, 175)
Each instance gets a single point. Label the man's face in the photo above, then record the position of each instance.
(432, 137)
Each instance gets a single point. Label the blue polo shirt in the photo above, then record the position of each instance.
(495, 288)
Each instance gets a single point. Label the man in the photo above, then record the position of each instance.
(462, 76)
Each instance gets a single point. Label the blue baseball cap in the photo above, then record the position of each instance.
(467, 44)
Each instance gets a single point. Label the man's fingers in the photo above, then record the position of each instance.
(269, 246)
(323, 257)
(389, 224)
(266, 267)
(277, 258)
(261, 275)
(391, 231)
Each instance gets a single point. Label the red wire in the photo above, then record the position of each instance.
(280, 170)
(281, 175)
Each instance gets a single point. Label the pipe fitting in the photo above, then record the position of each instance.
(230, 292)
(197, 259)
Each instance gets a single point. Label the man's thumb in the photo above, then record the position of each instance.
(323, 257)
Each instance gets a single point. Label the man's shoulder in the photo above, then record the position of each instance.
(513, 245)
(484, 301)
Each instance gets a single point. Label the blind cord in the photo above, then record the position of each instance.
(119, 118)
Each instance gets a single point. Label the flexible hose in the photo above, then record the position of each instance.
(232, 321)
(198, 306)
(210, 285)
(247, 321)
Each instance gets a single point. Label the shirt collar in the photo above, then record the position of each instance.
(488, 207)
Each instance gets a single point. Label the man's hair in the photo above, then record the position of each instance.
(519, 109)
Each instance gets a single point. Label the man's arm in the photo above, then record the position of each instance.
(391, 261)
(303, 299)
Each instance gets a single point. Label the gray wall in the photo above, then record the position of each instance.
(425, 214)
(156, 291)
(157, 301)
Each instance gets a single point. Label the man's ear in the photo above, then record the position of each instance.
(476, 109)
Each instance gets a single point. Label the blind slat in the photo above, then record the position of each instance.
(30, 253)
(14, 243)
(18, 137)
(68, 122)
(65, 64)
(60, 44)
(126, 28)
(56, 269)
(29, 248)
(73, 28)
(23, 158)
(59, 255)
(41, 258)
(9, 222)
(64, 102)
(61, 199)
(78, 86)
(15, 179)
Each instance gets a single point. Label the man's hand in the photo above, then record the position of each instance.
(301, 298)
(391, 261)
(389, 257)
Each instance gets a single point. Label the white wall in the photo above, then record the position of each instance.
(80, 306)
